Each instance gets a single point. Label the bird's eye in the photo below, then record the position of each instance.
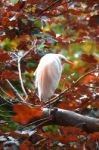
(62, 60)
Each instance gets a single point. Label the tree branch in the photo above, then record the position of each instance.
(50, 5)
(19, 67)
(69, 118)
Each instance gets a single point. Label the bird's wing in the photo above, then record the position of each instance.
(50, 78)
(55, 74)
(41, 81)
(47, 79)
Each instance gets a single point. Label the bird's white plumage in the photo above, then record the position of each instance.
(48, 74)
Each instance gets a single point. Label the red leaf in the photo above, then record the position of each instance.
(4, 57)
(88, 58)
(94, 21)
(35, 1)
(75, 12)
(10, 75)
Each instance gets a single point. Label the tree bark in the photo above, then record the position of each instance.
(70, 118)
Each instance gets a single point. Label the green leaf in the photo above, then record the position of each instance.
(31, 64)
(57, 29)
(14, 1)
(7, 45)
(38, 24)
(51, 128)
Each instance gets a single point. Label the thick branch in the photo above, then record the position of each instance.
(70, 118)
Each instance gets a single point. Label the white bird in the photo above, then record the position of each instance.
(48, 74)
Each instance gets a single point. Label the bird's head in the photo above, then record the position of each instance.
(64, 60)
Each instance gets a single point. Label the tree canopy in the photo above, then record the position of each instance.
(28, 30)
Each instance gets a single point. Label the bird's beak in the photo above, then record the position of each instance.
(69, 62)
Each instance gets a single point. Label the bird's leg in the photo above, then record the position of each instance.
(49, 108)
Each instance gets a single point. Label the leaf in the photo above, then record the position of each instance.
(67, 139)
(31, 64)
(88, 79)
(88, 58)
(35, 1)
(10, 93)
(70, 134)
(27, 145)
(10, 75)
(94, 21)
(4, 57)
(25, 113)
(14, 1)
(71, 131)
(75, 12)
(94, 137)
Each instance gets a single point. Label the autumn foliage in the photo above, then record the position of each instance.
(28, 30)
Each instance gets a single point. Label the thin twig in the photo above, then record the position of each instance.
(19, 68)
(15, 90)
(50, 5)
(4, 92)
(80, 78)
(3, 103)
(20, 78)
(40, 124)
(7, 101)
(33, 123)
(18, 95)
(6, 116)
(33, 47)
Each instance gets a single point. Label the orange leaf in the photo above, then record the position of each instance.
(25, 113)
(26, 145)
(94, 137)
(88, 79)
(67, 139)
(11, 94)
